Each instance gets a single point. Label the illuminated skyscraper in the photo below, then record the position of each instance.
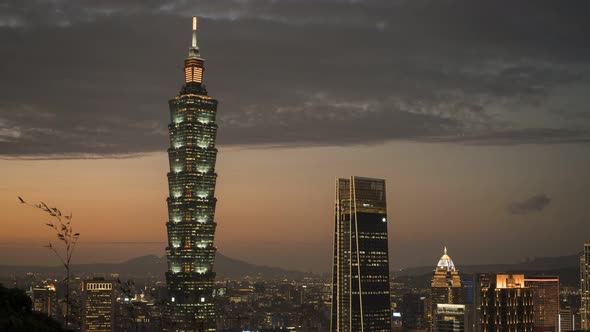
(360, 284)
(507, 305)
(191, 204)
(545, 302)
(445, 286)
(97, 305)
(45, 300)
(585, 287)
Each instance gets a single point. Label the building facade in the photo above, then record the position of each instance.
(585, 287)
(545, 302)
(97, 305)
(360, 285)
(481, 281)
(507, 305)
(45, 300)
(452, 318)
(414, 312)
(191, 203)
(569, 320)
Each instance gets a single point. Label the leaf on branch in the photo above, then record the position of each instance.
(77, 234)
(49, 224)
(21, 200)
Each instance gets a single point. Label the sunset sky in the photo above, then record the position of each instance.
(475, 114)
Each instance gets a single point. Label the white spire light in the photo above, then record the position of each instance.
(194, 44)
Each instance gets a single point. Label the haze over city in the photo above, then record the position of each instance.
(476, 114)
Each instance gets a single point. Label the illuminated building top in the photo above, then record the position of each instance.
(509, 281)
(446, 262)
(193, 64)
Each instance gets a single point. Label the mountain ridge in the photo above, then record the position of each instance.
(230, 268)
(152, 265)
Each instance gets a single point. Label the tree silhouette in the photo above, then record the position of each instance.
(62, 225)
(17, 315)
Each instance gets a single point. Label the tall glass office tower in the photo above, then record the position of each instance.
(191, 204)
(585, 286)
(360, 280)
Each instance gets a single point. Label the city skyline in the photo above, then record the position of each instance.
(476, 135)
(457, 124)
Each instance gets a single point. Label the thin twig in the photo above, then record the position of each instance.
(64, 232)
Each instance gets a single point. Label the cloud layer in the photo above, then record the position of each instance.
(536, 203)
(86, 78)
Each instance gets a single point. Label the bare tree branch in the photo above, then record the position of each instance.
(65, 234)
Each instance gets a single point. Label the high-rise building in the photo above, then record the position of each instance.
(452, 318)
(545, 302)
(360, 284)
(191, 204)
(585, 287)
(414, 312)
(507, 305)
(569, 320)
(445, 287)
(481, 281)
(45, 300)
(468, 296)
(97, 305)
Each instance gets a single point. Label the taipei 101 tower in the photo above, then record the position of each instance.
(191, 203)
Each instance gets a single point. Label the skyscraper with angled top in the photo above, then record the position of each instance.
(360, 284)
(191, 204)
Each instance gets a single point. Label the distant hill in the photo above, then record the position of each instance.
(569, 277)
(152, 265)
(566, 267)
(537, 264)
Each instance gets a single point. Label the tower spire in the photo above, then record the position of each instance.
(194, 45)
(194, 64)
(445, 250)
(193, 51)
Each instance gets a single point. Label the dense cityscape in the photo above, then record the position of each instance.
(189, 289)
(443, 300)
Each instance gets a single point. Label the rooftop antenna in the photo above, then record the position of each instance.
(194, 45)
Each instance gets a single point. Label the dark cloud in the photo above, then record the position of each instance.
(91, 79)
(535, 203)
